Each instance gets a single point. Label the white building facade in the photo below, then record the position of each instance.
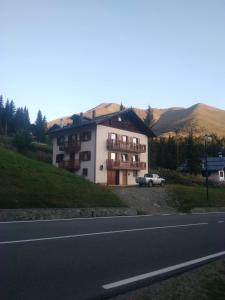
(111, 149)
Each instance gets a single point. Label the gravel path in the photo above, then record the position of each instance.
(145, 200)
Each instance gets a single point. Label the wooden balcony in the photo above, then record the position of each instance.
(71, 165)
(126, 147)
(69, 147)
(125, 165)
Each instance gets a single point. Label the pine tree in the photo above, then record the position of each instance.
(193, 157)
(149, 120)
(18, 119)
(122, 107)
(1, 113)
(40, 127)
(6, 117)
(26, 118)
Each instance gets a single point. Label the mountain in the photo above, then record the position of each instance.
(200, 117)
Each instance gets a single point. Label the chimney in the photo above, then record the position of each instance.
(93, 114)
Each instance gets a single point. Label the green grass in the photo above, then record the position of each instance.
(187, 197)
(28, 183)
(216, 289)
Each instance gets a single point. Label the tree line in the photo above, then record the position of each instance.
(14, 121)
(182, 153)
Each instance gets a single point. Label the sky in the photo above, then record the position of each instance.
(67, 56)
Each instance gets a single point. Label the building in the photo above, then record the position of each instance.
(215, 167)
(110, 149)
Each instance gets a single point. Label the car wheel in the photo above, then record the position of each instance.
(150, 184)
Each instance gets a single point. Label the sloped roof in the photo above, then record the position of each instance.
(129, 113)
(214, 163)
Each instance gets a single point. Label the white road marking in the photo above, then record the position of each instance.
(161, 271)
(220, 221)
(99, 233)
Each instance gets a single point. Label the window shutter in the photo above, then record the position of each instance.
(89, 155)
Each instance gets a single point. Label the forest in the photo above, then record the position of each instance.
(16, 121)
(182, 152)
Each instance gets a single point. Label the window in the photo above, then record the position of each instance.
(72, 156)
(59, 158)
(135, 157)
(125, 157)
(221, 174)
(124, 138)
(135, 173)
(85, 172)
(85, 155)
(86, 136)
(113, 155)
(135, 140)
(72, 138)
(113, 136)
(60, 140)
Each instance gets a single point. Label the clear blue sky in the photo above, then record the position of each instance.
(66, 56)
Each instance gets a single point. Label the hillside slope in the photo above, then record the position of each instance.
(202, 118)
(29, 183)
(170, 121)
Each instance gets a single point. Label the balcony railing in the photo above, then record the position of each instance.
(71, 165)
(128, 147)
(73, 146)
(125, 165)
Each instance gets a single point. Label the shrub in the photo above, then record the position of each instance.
(172, 176)
(22, 141)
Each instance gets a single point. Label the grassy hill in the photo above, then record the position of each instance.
(204, 118)
(25, 182)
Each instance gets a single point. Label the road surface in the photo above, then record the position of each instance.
(99, 257)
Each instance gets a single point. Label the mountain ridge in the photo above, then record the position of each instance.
(202, 118)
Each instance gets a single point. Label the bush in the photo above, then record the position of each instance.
(22, 141)
(172, 176)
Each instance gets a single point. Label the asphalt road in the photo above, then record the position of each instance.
(99, 257)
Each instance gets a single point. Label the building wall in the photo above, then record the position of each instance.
(90, 165)
(214, 176)
(55, 151)
(102, 153)
(85, 146)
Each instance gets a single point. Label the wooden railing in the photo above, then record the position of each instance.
(71, 165)
(125, 165)
(73, 146)
(128, 147)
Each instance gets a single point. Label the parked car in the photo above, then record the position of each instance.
(150, 180)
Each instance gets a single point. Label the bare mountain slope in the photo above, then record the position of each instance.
(170, 121)
(202, 118)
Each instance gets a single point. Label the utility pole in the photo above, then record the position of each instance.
(207, 138)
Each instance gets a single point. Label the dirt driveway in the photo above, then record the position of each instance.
(146, 200)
